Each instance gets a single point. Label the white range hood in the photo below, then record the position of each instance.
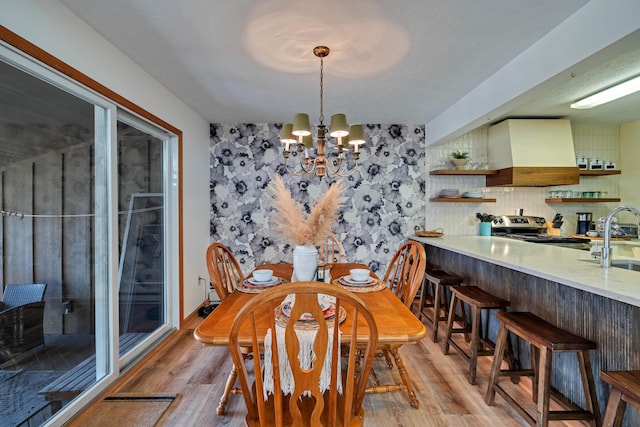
(532, 152)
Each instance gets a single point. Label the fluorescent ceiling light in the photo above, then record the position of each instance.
(607, 95)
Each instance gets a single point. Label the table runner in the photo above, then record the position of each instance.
(306, 338)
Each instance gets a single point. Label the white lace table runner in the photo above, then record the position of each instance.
(306, 338)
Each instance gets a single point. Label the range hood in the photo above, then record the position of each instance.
(532, 153)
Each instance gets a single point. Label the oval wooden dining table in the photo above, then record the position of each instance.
(397, 325)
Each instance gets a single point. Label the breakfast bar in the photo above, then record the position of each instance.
(565, 287)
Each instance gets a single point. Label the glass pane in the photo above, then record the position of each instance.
(47, 236)
(141, 222)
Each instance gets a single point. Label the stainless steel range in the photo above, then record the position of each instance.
(532, 229)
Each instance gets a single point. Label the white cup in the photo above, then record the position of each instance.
(359, 274)
(263, 275)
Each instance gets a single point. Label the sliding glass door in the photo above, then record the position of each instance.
(88, 202)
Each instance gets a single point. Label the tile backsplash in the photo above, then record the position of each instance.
(593, 140)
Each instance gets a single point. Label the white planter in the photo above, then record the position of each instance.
(460, 163)
(305, 262)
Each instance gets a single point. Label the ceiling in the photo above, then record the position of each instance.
(391, 61)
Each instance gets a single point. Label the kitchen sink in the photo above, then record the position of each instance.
(629, 265)
(620, 263)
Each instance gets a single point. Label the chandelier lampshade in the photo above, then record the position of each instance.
(339, 126)
(301, 125)
(299, 134)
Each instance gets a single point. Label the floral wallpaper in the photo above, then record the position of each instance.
(385, 196)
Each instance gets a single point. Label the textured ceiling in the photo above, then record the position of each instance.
(391, 60)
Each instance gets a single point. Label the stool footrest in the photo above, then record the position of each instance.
(552, 416)
(517, 373)
(570, 415)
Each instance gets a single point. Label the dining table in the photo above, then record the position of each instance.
(397, 325)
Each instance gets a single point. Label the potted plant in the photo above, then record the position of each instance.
(459, 159)
(485, 223)
(304, 233)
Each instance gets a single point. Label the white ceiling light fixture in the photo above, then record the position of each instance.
(618, 91)
(299, 132)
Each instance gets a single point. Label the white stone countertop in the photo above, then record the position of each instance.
(558, 264)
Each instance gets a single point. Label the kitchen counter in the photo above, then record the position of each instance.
(566, 266)
(560, 285)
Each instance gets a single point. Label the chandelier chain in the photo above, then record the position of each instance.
(321, 90)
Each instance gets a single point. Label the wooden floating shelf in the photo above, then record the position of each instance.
(462, 172)
(584, 172)
(582, 199)
(462, 199)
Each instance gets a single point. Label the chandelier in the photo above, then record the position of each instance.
(298, 134)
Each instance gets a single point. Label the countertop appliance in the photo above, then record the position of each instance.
(532, 229)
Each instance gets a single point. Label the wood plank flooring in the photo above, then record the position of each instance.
(197, 375)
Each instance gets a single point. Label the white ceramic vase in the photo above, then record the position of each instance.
(305, 262)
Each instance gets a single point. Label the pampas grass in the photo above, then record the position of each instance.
(289, 219)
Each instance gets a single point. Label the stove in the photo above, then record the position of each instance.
(532, 229)
(517, 224)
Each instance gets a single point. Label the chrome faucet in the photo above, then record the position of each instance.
(605, 259)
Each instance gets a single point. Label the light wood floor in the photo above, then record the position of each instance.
(197, 374)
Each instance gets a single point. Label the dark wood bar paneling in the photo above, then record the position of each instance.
(613, 325)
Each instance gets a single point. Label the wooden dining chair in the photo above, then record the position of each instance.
(403, 277)
(330, 251)
(306, 404)
(225, 276)
(224, 271)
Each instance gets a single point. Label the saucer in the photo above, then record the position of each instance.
(273, 281)
(347, 280)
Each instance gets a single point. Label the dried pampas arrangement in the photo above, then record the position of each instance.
(289, 218)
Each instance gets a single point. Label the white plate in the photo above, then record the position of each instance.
(327, 312)
(274, 280)
(325, 302)
(348, 280)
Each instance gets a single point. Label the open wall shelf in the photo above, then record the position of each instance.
(584, 172)
(461, 199)
(582, 200)
(462, 172)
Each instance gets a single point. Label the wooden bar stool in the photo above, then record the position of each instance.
(545, 339)
(625, 388)
(478, 300)
(435, 282)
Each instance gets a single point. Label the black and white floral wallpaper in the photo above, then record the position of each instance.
(385, 197)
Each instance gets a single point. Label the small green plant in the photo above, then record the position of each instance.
(459, 155)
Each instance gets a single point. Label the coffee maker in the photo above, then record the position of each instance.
(584, 223)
